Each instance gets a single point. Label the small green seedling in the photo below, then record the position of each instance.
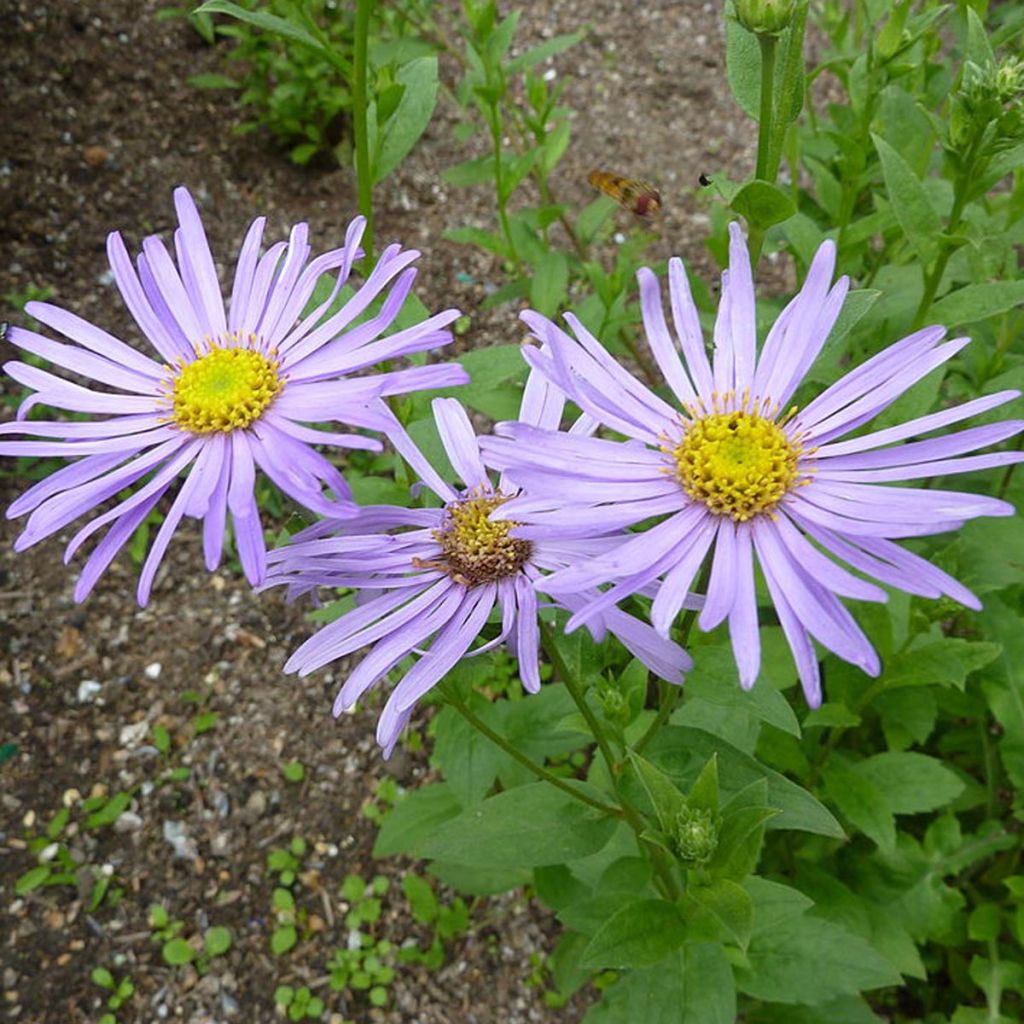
(298, 1003)
(120, 992)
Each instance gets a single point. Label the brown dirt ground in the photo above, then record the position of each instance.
(649, 89)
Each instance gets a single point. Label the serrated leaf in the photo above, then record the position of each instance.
(725, 906)
(681, 752)
(467, 759)
(693, 986)
(912, 783)
(665, 796)
(778, 962)
(862, 803)
(527, 826)
(640, 934)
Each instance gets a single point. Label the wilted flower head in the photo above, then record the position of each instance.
(439, 574)
(228, 395)
(736, 474)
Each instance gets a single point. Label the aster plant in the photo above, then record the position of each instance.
(734, 475)
(430, 579)
(231, 393)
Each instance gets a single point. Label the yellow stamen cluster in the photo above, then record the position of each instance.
(738, 463)
(226, 389)
(476, 549)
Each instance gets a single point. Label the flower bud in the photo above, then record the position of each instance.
(765, 17)
(696, 834)
(613, 703)
(1009, 82)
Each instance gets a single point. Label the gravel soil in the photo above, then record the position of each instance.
(99, 124)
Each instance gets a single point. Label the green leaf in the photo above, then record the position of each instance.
(862, 802)
(514, 170)
(178, 952)
(110, 811)
(742, 833)
(211, 80)
(410, 119)
(537, 54)
(469, 172)
(665, 796)
(786, 941)
(480, 881)
(274, 24)
(528, 826)
(911, 783)
(978, 49)
(487, 240)
(913, 208)
(694, 986)
(549, 287)
(409, 824)
(161, 738)
(102, 977)
(714, 679)
(217, 940)
(467, 759)
(283, 939)
(763, 204)
(294, 771)
(32, 879)
(638, 935)
(724, 905)
(976, 302)
(422, 901)
(946, 662)
(681, 751)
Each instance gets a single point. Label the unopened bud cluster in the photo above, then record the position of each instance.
(765, 17)
(989, 103)
(696, 835)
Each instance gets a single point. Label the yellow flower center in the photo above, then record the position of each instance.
(738, 463)
(474, 549)
(226, 389)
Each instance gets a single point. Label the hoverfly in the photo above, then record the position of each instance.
(639, 197)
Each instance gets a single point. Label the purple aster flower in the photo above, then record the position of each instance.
(437, 574)
(229, 394)
(735, 474)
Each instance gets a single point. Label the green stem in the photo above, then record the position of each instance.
(674, 694)
(359, 127)
(495, 125)
(934, 277)
(527, 762)
(769, 45)
(765, 135)
(662, 866)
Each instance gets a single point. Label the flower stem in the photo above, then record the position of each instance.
(769, 45)
(934, 277)
(527, 762)
(765, 134)
(662, 866)
(359, 127)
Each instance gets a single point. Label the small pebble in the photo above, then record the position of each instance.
(87, 691)
(153, 671)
